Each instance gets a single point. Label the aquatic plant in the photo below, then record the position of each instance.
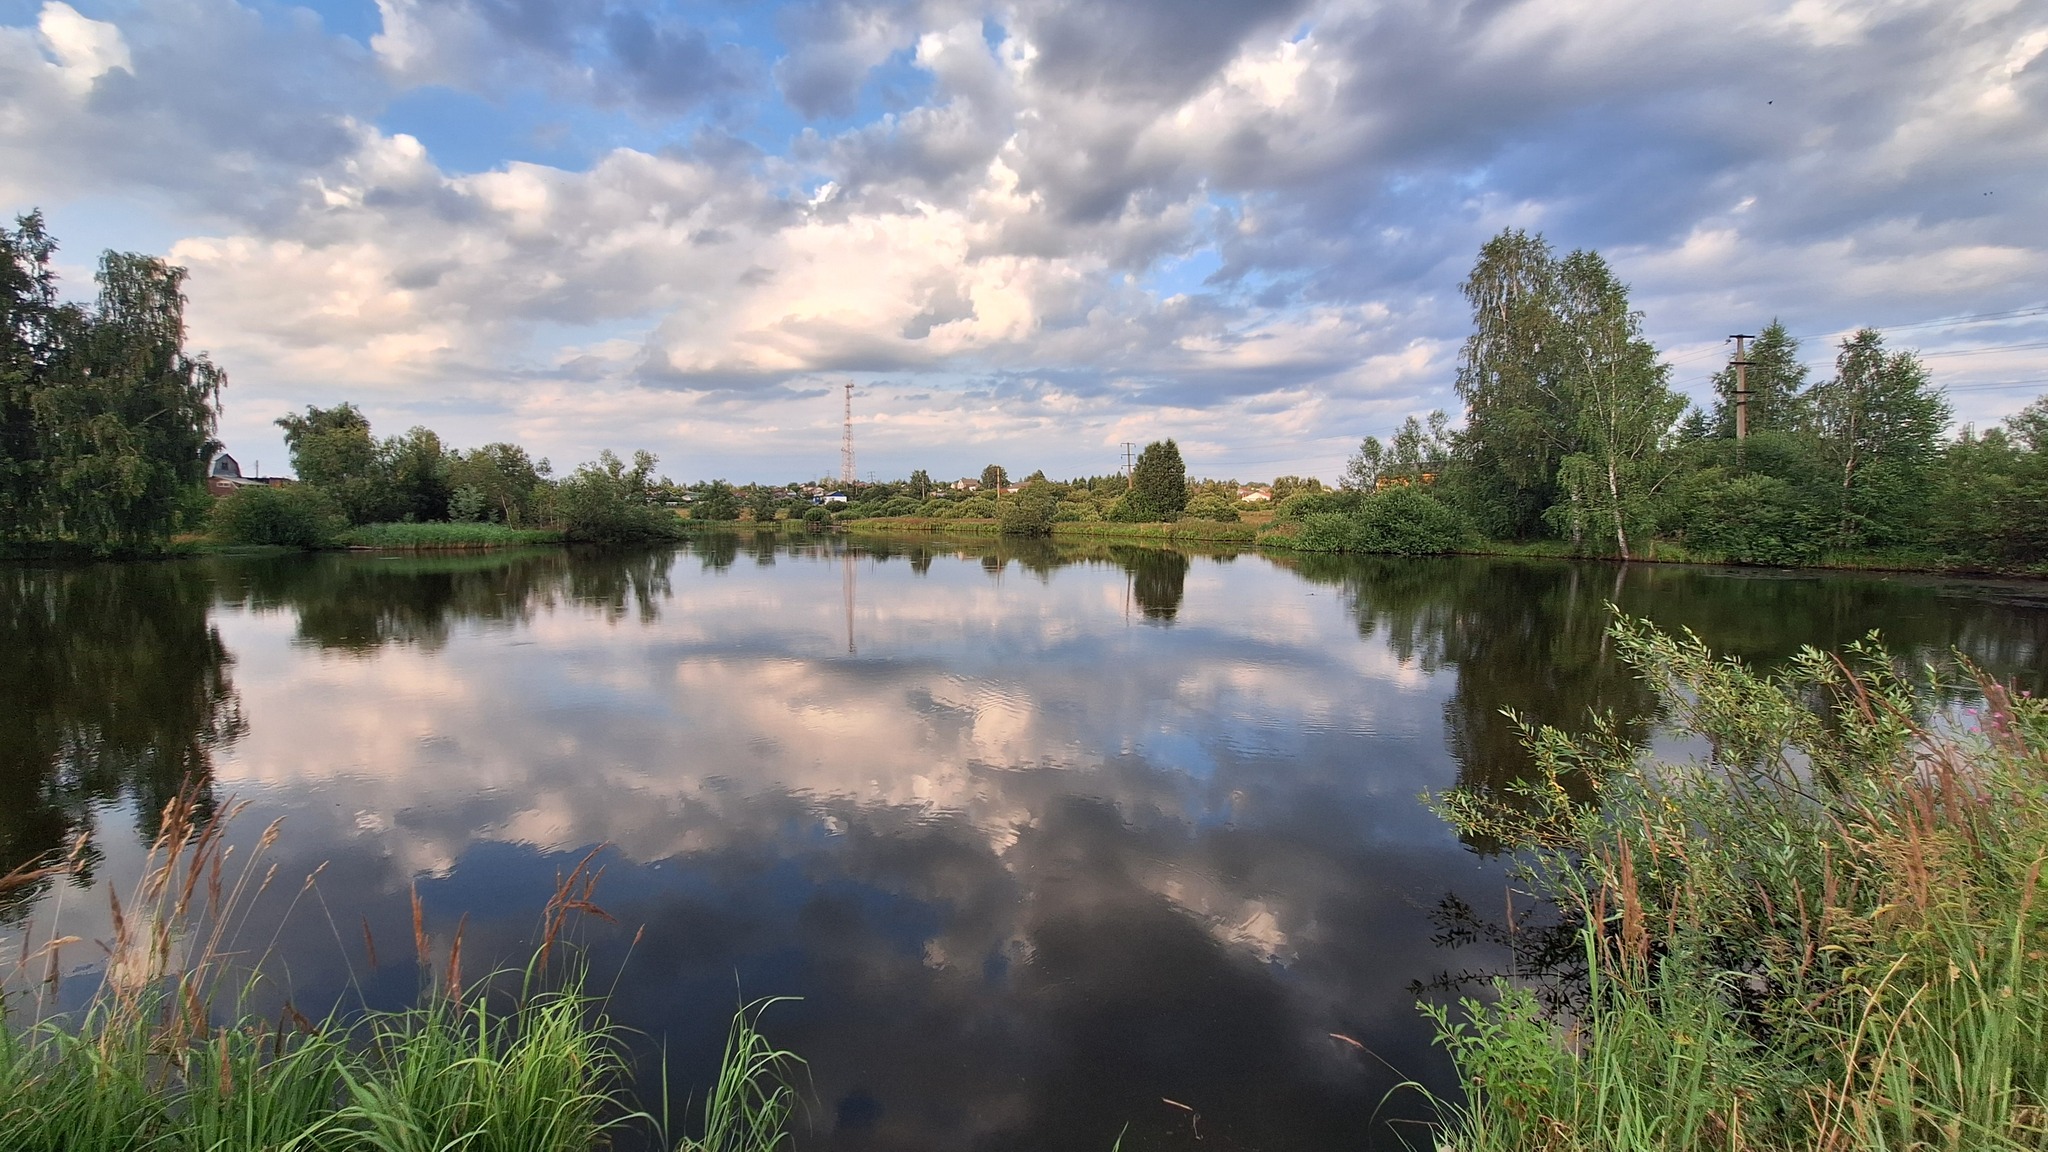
(1827, 932)
(165, 1055)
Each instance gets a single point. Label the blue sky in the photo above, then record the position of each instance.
(1027, 231)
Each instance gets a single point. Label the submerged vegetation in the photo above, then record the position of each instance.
(1829, 932)
(168, 1052)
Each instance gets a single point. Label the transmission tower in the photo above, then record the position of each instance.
(846, 476)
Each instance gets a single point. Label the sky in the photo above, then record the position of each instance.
(1027, 233)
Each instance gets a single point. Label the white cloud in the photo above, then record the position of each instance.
(84, 49)
(1010, 255)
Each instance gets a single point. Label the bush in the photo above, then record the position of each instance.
(1026, 516)
(900, 506)
(297, 516)
(1407, 522)
(817, 515)
(1327, 532)
(972, 508)
(1302, 505)
(1749, 518)
(606, 503)
(1213, 506)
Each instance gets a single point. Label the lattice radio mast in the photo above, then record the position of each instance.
(846, 476)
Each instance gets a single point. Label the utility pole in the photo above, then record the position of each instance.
(1130, 476)
(846, 475)
(1741, 364)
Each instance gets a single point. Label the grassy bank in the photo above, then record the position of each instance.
(164, 1056)
(438, 536)
(1194, 531)
(1829, 932)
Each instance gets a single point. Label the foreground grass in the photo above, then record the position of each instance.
(435, 536)
(1829, 934)
(524, 1062)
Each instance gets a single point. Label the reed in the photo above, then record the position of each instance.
(1829, 932)
(436, 536)
(165, 1056)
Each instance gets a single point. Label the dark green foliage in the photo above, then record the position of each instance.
(1214, 506)
(1876, 424)
(106, 424)
(332, 450)
(1408, 521)
(1327, 532)
(504, 476)
(605, 502)
(1403, 521)
(1159, 485)
(1748, 517)
(1303, 504)
(297, 516)
(817, 516)
(714, 500)
(1027, 514)
(993, 477)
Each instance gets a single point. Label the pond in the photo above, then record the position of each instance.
(1052, 842)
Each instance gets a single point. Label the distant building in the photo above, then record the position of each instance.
(224, 475)
(1385, 482)
(1253, 494)
(967, 484)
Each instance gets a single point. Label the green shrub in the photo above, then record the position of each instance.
(297, 516)
(607, 503)
(1302, 505)
(1026, 516)
(1327, 532)
(1405, 521)
(972, 508)
(1213, 506)
(1749, 518)
(817, 515)
(1822, 930)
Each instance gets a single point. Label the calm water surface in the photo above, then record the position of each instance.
(1042, 836)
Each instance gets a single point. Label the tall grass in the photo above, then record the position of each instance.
(434, 536)
(1827, 932)
(164, 1056)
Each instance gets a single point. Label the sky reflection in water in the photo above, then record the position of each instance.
(1040, 834)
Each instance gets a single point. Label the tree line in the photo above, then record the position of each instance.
(1573, 433)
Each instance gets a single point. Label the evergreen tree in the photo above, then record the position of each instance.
(1159, 483)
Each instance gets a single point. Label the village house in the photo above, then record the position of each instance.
(224, 475)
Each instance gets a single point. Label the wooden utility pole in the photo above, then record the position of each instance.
(1741, 364)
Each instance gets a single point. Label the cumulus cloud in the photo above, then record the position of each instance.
(1128, 217)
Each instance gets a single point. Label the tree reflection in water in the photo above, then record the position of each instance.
(117, 690)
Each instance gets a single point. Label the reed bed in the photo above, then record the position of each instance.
(1828, 932)
(436, 536)
(164, 1057)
